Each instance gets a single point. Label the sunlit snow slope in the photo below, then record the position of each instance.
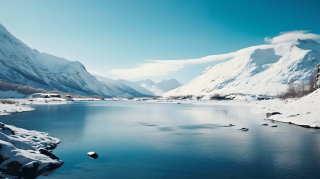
(22, 65)
(258, 70)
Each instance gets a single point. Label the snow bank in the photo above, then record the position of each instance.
(304, 111)
(21, 104)
(41, 101)
(86, 99)
(7, 109)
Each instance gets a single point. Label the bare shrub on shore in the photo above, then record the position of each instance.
(217, 97)
(300, 89)
(3, 101)
(97, 97)
(26, 90)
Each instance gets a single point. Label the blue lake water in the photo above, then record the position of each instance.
(156, 140)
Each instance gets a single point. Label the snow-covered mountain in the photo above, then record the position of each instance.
(125, 84)
(160, 87)
(147, 87)
(257, 70)
(22, 65)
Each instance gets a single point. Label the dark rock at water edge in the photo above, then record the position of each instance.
(14, 168)
(6, 130)
(29, 172)
(49, 154)
(2, 175)
(49, 169)
(93, 155)
(273, 113)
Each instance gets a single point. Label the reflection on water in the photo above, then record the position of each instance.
(155, 140)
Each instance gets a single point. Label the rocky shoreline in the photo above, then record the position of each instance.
(25, 153)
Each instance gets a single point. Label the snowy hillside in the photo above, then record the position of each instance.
(257, 70)
(160, 87)
(20, 64)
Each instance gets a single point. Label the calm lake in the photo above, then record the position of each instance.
(156, 140)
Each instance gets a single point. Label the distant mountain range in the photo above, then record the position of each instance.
(22, 65)
(160, 87)
(257, 70)
(147, 87)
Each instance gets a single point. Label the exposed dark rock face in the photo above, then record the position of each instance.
(29, 172)
(49, 154)
(13, 168)
(52, 146)
(317, 77)
(7, 130)
(48, 169)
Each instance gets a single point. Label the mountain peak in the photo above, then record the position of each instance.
(146, 82)
(306, 44)
(22, 65)
(305, 41)
(257, 71)
(169, 81)
(2, 28)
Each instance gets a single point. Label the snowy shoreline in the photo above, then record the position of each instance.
(26, 153)
(302, 112)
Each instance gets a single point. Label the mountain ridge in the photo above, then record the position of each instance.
(160, 87)
(147, 87)
(257, 70)
(22, 65)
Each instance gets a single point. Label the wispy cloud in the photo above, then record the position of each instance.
(162, 67)
(292, 35)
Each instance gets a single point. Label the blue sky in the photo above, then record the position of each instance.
(110, 35)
